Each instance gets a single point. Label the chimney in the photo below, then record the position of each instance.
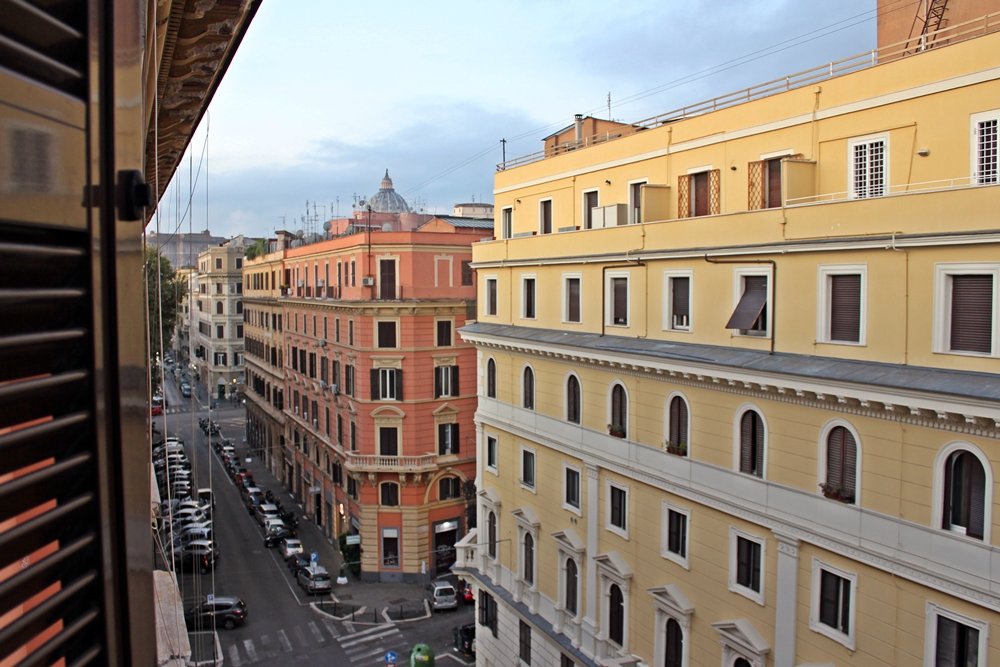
(578, 123)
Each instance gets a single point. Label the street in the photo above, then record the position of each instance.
(282, 622)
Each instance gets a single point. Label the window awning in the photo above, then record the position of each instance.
(751, 305)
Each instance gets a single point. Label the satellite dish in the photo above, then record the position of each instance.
(300, 233)
(327, 226)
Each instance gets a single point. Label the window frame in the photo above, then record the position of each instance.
(816, 624)
(378, 334)
(932, 612)
(668, 300)
(824, 302)
(566, 496)
(667, 509)
(492, 454)
(507, 222)
(390, 384)
(545, 206)
(388, 533)
(610, 486)
(624, 425)
(528, 453)
(448, 433)
(569, 399)
(668, 425)
(941, 506)
(529, 300)
(587, 221)
(610, 301)
(491, 378)
(735, 535)
(823, 450)
(524, 642)
(635, 207)
(738, 437)
(564, 598)
(437, 332)
(382, 489)
(566, 309)
(852, 190)
(490, 296)
(739, 287)
(528, 391)
(943, 300)
(974, 120)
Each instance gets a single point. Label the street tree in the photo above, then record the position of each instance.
(164, 293)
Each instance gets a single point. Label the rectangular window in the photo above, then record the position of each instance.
(617, 300)
(488, 611)
(445, 381)
(389, 494)
(447, 439)
(984, 148)
(528, 468)
(491, 453)
(524, 642)
(954, 640)
(444, 333)
(390, 543)
(388, 441)
(545, 216)
(591, 200)
(354, 436)
(387, 279)
(218, 263)
(571, 496)
(698, 199)
(745, 565)
(635, 202)
(750, 316)
(965, 313)
(869, 175)
(831, 611)
(467, 273)
(506, 222)
(491, 296)
(349, 380)
(677, 314)
(528, 298)
(617, 509)
(572, 299)
(387, 384)
(842, 304)
(675, 538)
(350, 332)
(386, 334)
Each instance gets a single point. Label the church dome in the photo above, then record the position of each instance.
(387, 200)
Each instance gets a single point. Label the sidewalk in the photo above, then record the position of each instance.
(367, 602)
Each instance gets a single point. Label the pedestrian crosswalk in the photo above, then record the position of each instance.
(361, 646)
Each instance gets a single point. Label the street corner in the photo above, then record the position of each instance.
(406, 610)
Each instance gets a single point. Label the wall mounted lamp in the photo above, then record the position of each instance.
(923, 152)
(607, 181)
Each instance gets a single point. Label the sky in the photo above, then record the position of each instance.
(324, 95)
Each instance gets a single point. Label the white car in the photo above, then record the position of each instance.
(291, 546)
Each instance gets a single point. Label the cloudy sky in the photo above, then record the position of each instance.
(324, 95)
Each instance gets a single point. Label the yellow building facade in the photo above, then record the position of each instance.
(738, 380)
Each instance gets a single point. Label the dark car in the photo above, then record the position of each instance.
(226, 611)
(296, 562)
(465, 638)
(186, 390)
(275, 535)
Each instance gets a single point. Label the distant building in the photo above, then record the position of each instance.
(183, 249)
(217, 337)
(473, 210)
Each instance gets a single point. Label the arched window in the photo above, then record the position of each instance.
(528, 390)
(752, 444)
(619, 412)
(571, 586)
(841, 465)
(218, 308)
(529, 558)
(390, 494)
(491, 527)
(573, 400)
(674, 655)
(964, 494)
(239, 307)
(616, 615)
(742, 662)
(677, 426)
(491, 379)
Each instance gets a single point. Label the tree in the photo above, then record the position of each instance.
(163, 299)
(257, 249)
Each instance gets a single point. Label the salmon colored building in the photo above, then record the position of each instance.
(380, 390)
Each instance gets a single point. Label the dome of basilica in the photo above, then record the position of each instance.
(387, 200)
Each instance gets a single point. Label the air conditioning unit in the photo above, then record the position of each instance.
(611, 215)
(315, 423)
(302, 283)
(322, 342)
(335, 388)
(322, 385)
(367, 281)
(321, 283)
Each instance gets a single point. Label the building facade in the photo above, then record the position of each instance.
(738, 380)
(217, 314)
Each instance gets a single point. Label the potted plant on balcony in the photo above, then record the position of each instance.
(836, 493)
(616, 430)
(677, 448)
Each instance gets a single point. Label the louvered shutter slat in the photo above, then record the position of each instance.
(972, 313)
(835, 458)
(977, 497)
(845, 308)
(746, 438)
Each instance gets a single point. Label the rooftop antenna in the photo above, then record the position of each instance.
(609, 105)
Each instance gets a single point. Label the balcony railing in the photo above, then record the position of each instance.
(377, 463)
(951, 34)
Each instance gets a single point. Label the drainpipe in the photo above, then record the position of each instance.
(774, 281)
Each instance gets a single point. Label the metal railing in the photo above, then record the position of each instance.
(911, 46)
(376, 462)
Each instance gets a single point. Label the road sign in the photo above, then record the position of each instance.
(313, 557)
(210, 598)
(391, 657)
(353, 539)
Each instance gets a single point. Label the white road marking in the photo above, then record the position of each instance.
(362, 637)
(331, 628)
(251, 651)
(234, 656)
(314, 629)
(286, 645)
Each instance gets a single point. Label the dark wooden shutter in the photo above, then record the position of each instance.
(746, 442)
(678, 421)
(619, 300)
(573, 299)
(675, 644)
(680, 292)
(749, 310)
(845, 308)
(454, 380)
(773, 191)
(835, 458)
(442, 438)
(701, 193)
(616, 615)
(829, 594)
(491, 379)
(399, 384)
(375, 389)
(573, 399)
(437, 381)
(454, 438)
(976, 489)
(387, 279)
(972, 313)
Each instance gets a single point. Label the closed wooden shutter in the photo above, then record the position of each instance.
(684, 196)
(573, 300)
(573, 400)
(619, 298)
(529, 389)
(845, 307)
(399, 384)
(773, 191)
(746, 443)
(491, 379)
(756, 194)
(454, 380)
(976, 485)
(387, 279)
(699, 183)
(438, 389)
(972, 313)
(678, 421)
(375, 390)
(674, 656)
(680, 294)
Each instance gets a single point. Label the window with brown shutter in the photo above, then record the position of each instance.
(750, 315)
(572, 299)
(528, 390)
(772, 179)
(545, 216)
(752, 444)
(677, 438)
(971, 313)
(529, 298)
(573, 400)
(619, 301)
(491, 379)
(680, 306)
(964, 494)
(387, 279)
(619, 411)
(841, 465)
(845, 308)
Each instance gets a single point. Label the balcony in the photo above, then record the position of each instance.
(376, 463)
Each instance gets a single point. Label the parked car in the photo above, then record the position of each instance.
(266, 511)
(291, 546)
(441, 595)
(155, 410)
(273, 536)
(200, 555)
(297, 562)
(465, 638)
(314, 579)
(185, 390)
(223, 610)
(186, 537)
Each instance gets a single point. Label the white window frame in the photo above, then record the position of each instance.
(450, 271)
(387, 383)
(668, 300)
(487, 280)
(738, 437)
(566, 277)
(738, 285)
(938, 485)
(609, 306)
(525, 277)
(931, 613)
(533, 485)
(506, 222)
(848, 639)
(608, 525)
(669, 602)
(552, 216)
(823, 444)
(583, 206)
(869, 139)
(565, 387)
(974, 121)
(495, 467)
(683, 561)
(824, 301)
(942, 305)
(579, 490)
(632, 204)
(734, 585)
(666, 419)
